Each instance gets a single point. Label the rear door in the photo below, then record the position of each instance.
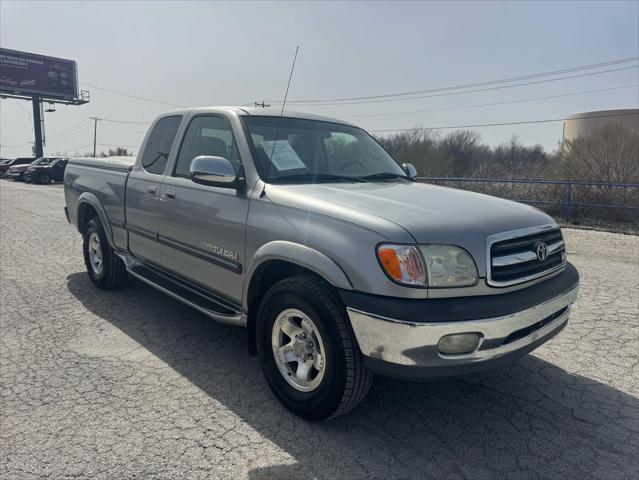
(143, 189)
(202, 228)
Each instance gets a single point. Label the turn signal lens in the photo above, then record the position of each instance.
(403, 263)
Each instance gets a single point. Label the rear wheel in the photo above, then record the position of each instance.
(106, 270)
(306, 349)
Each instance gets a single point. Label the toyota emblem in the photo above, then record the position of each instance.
(542, 251)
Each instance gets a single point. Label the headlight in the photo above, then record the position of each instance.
(402, 263)
(449, 266)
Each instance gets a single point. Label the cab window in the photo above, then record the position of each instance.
(158, 147)
(206, 135)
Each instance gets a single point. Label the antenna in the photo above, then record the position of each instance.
(277, 130)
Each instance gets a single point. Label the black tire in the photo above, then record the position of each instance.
(346, 381)
(113, 272)
(44, 179)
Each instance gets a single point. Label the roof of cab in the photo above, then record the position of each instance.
(264, 112)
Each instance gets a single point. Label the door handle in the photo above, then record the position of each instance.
(152, 189)
(170, 194)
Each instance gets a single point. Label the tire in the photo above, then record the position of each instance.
(44, 179)
(112, 273)
(345, 381)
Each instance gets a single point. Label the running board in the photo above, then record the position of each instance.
(214, 307)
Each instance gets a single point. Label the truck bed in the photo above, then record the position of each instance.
(102, 180)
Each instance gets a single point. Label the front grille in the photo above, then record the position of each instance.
(515, 260)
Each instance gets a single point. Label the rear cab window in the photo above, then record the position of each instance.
(158, 146)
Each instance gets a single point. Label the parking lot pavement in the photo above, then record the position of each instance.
(132, 384)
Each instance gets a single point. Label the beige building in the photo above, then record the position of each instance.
(582, 124)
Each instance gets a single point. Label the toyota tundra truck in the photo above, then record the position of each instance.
(339, 264)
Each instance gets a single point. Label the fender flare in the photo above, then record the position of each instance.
(298, 254)
(91, 199)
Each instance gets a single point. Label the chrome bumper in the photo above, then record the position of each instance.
(416, 344)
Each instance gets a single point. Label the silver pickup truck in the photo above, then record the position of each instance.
(340, 265)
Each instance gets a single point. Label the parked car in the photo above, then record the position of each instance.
(17, 172)
(4, 166)
(339, 263)
(45, 174)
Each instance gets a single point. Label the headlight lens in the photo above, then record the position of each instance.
(403, 263)
(449, 266)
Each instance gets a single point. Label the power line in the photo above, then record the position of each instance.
(22, 108)
(492, 103)
(86, 120)
(60, 138)
(146, 99)
(125, 132)
(474, 84)
(125, 121)
(16, 145)
(547, 120)
(76, 149)
(471, 91)
(113, 145)
(478, 89)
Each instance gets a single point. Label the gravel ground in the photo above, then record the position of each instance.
(132, 384)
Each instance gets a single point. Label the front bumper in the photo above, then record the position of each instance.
(18, 176)
(408, 348)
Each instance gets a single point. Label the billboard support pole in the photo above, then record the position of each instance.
(37, 126)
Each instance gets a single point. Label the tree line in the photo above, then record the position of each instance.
(608, 154)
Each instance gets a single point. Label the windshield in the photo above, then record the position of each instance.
(311, 151)
(41, 161)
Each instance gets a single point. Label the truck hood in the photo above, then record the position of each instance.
(430, 213)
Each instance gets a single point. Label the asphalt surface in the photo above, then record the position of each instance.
(132, 384)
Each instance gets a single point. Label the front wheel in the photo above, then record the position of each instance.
(44, 179)
(306, 349)
(106, 270)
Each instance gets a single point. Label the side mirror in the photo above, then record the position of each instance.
(410, 169)
(214, 171)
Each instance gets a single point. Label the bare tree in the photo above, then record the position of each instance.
(461, 148)
(118, 152)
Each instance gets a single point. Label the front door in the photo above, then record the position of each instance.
(58, 170)
(143, 190)
(202, 228)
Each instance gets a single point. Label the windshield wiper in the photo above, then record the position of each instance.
(385, 176)
(318, 177)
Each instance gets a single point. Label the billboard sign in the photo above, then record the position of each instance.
(24, 73)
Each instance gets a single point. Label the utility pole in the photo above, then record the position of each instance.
(37, 126)
(95, 133)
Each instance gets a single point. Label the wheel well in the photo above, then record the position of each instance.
(266, 275)
(86, 212)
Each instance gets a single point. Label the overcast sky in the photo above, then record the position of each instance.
(206, 53)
